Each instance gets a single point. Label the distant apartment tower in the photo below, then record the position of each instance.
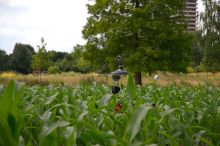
(190, 13)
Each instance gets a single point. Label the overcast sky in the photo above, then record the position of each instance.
(60, 22)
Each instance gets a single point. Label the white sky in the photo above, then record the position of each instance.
(60, 22)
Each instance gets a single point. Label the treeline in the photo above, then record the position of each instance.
(25, 60)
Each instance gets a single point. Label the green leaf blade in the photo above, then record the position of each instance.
(134, 123)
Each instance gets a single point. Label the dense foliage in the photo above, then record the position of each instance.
(210, 35)
(3, 60)
(150, 35)
(21, 58)
(91, 115)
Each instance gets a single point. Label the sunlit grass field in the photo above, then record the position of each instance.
(72, 79)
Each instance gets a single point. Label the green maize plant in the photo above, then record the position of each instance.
(86, 115)
(10, 120)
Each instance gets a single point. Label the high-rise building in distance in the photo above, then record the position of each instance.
(190, 13)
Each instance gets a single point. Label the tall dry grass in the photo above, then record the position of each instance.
(72, 79)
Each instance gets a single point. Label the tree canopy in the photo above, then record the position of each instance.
(150, 35)
(21, 58)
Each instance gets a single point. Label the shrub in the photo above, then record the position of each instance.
(53, 69)
(190, 70)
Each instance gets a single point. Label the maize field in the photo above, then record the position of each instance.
(90, 115)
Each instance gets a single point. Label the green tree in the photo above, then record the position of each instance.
(55, 56)
(3, 61)
(66, 64)
(53, 69)
(196, 54)
(150, 35)
(40, 60)
(62, 60)
(99, 62)
(210, 35)
(81, 64)
(21, 58)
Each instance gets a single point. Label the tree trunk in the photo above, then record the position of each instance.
(138, 80)
(138, 73)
